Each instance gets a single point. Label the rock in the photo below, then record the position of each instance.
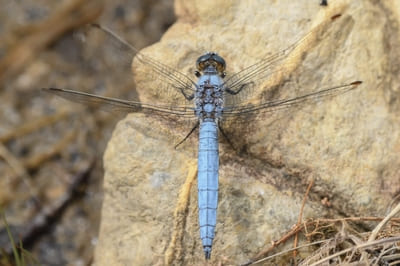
(348, 144)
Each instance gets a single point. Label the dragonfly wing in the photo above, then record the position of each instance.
(170, 83)
(285, 81)
(173, 106)
(175, 117)
(266, 106)
(272, 70)
(239, 122)
(103, 102)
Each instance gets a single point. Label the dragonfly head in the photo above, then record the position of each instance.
(211, 59)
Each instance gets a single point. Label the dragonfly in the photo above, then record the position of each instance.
(212, 100)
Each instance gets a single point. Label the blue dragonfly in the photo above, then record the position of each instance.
(214, 100)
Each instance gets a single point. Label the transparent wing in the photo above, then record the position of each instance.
(105, 63)
(171, 84)
(275, 68)
(239, 123)
(276, 85)
(265, 106)
(122, 105)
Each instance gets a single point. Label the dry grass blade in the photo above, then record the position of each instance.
(284, 252)
(389, 240)
(345, 237)
(379, 227)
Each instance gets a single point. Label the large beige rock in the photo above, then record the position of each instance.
(348, 144)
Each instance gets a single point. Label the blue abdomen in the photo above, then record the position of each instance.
(208, 164)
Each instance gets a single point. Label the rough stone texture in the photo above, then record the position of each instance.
(348, 144)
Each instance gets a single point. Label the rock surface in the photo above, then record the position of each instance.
(348, 144)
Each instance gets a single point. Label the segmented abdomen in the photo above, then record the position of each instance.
(208, 164)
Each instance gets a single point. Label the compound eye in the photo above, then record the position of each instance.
(202, 62)
(220, 62)
(211, 59)
(220, 67)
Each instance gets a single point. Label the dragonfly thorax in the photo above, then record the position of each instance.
(209, 95)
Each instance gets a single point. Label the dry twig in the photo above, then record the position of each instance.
(319, 224)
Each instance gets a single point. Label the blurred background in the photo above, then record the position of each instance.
(51, 149)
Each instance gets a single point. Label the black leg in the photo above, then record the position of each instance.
(225, 136)
(238, 90)
(187, 97)
(190, 133)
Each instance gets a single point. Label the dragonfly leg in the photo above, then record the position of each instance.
(234, 92)
(225, 136)
(188, 135)
(187, 97)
